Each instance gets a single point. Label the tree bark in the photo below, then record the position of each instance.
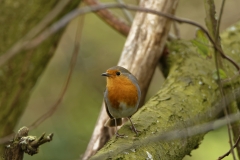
(19, 75)
(140, 56)
(187, 98)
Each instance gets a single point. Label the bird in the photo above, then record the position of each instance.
(122, 96)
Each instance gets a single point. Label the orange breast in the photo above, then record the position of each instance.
(121, 90)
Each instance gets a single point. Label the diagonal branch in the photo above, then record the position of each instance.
(26, 45)
(111, 19)
(234, 146)
(192, 93)
(17, 47)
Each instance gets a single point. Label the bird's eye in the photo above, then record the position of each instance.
(118, 73)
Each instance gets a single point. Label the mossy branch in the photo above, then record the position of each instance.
(24, 143)
(187, 98)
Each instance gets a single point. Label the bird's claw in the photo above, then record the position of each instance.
(134, 130)
(120, 135)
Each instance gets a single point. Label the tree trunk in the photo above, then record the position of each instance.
(19, 75)
(187, 98)
(140, 56)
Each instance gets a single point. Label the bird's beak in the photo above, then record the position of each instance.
(105, 74)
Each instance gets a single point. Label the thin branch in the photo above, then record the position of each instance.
(72, 66)
(18, 46)
(218, 62)
(73, 14)
(111, 19)
(234, 146)
(127, 14)
(176, 31)
(6, 138)
(220, 17)
(225, 106)
(48, 19)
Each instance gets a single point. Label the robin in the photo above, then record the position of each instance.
(122, 96)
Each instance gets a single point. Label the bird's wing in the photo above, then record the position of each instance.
(106, 107)
(111, 121)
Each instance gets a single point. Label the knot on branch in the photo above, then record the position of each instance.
(25, 143)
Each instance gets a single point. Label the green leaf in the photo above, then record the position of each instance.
(202, 43)
(222, 74)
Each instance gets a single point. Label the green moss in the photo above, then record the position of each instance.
(19, 75)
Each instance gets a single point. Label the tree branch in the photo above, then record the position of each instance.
(140, 55)
(235, 145)
(192, 93)
(26, 45)
(111, 19)
(25, 143)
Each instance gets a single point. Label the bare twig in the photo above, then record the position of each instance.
(234, 146)
(72, 65)
(61, 23)
(214, 31)
(18, 46)
(176, 31)
(225, 110)
(48, 19)
(127, 14)
(220, 17)
(111, 19)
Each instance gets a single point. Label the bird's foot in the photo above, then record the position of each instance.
(119, 135)
(134, 129)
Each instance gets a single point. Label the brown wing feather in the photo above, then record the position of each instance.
(106, 107)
